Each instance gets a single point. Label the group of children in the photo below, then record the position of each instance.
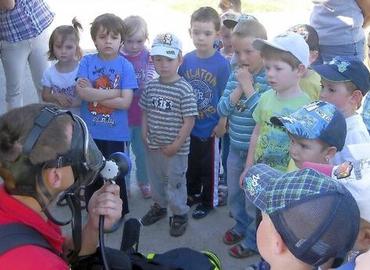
(263, 95)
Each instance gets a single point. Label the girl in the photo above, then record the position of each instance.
(135, 51)
(59, 80)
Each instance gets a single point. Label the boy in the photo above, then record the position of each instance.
(207, 71)
(310, 81)
(105, 83)
(317, 132)
(355, 176)
(244, 87)
(169, 110)
(344, 83)
(303, 217)
(286, 58)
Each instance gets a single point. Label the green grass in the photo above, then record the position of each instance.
(248, 6)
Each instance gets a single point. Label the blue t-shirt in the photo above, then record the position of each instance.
(347, 266)
(208, 77)
(106, 123)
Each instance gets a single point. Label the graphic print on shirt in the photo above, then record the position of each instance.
(162, 103)
(102, 114)
(202, 82)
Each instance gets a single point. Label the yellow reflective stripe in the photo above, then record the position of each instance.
(213, 258)
(150, 256)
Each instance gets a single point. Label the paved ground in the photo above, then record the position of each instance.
(201, 234)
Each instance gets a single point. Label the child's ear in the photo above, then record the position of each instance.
(357, 98)
(189, 32)
(52, 177)
(363, 238)
(301, 70)
(330, 153)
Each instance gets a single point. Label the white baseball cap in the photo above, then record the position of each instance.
(288, 42)
(166, 44)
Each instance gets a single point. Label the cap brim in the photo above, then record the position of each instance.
(256, 183)
(293, 126)
(261, 44)
(164, 51)
(329, 73)
(229, 23)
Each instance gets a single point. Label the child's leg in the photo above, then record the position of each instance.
(192, 175)
(156, 170)
(140, 157)
(210, 164)
(177, 193)
(225, 149)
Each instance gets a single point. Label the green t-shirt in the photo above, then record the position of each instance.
(311, 85)
(273, 142)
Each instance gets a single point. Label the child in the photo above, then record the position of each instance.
(344, 82)
(227, 49)
(234, 5)
(303, 217)
(356, 178)
(134, 50)
(286, 58)
(317, 132)
(207, 71)
(310, 82)
(59, 80)
(244, 87)
(105, 84)
(169, 108)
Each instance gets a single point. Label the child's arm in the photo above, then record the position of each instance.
(173, 148)
(144, 128)
(88, 93)
(220, 128)
(122, 102)
(56, 98)
(251, 150)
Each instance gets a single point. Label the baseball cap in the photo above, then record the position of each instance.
(231, 18)
(308, 33)
(317, 120)
(315, 215)
(355, 176)
(346, 69)
(166, 44)
(288, 42)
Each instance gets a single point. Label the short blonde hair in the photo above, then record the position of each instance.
(134, 24)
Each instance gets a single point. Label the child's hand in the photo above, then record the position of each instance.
(170, 150)
(242, 176)
(82, 88)
(245, 80)
(63, 100)
(219, 130)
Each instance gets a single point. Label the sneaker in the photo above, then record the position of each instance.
(155, 213)
(178, 225)
(240, 252)
(201, 211)
(145, 191)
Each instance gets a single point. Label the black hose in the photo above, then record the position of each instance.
(101, 242)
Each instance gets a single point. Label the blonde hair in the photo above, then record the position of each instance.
(134, 24)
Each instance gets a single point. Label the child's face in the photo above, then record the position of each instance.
(336, 93)
(135, 43)
(65, 51)
(363, 261)
(203, 35)
(107, 44)
(265, 236)
(225, 34)
(302, 150)
(246, 54)
(280, 75)
(166, 67)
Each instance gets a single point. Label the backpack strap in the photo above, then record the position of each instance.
(13, 235)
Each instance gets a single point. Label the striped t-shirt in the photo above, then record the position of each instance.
(166, 105)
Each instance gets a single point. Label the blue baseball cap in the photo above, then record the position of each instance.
(346, 69)
(316, 216)
(166, 44)
(317, 120)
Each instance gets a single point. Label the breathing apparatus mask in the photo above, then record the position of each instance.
(87, 162)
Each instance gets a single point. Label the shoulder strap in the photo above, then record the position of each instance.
(13, 235)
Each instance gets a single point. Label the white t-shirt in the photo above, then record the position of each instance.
(63, 83)
(356, 134)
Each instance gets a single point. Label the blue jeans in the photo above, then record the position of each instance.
(243, 211)
(328, 52)
(138, 148)
(225, 146)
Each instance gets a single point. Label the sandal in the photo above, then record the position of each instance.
(231, 237)
(238, 251)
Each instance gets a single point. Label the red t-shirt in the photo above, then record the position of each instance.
(29, 257)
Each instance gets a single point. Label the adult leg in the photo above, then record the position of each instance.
(14, 58)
